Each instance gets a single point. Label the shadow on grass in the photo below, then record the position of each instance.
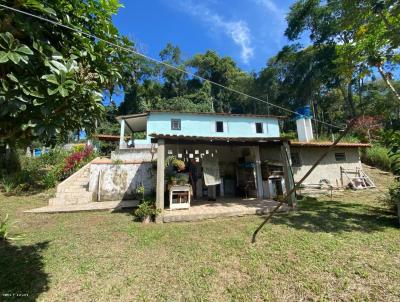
(22, 275)
(336, 216)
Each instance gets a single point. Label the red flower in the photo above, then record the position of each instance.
(75, 158)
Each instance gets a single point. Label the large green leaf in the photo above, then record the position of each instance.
(51, 78)
(3, 57)
(15, 57)
(24, 49)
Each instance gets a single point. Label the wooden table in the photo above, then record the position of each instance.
(182, 194)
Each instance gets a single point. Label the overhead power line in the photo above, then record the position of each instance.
(161, 62)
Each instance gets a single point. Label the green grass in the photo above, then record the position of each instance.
(377, 156)
(344, 249)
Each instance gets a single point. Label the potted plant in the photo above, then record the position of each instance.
(179, 165)
(182, 179)
(173, 180)
(146, 211)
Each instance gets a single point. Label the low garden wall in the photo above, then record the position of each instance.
(119, 181)
(144, 154)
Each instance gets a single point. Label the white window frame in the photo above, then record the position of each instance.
(223, 126)
(176, 120)
(262, 127)
(340, 155)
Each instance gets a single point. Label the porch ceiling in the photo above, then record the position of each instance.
(213, 139)
(134, 122)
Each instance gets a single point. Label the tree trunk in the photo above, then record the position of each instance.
(388, 83)
(350, 99)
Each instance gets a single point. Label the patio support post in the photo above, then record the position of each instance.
(288, 172)
(260, 191)
(160, 178)
(122, 135)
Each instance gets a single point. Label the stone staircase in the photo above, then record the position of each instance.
(74, 190)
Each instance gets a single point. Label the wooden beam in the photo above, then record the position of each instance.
(288, 173)
(298, 184)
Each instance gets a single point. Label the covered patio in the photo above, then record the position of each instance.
(242, 190)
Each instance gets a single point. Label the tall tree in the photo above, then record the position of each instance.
(365, 33)
(221, 70)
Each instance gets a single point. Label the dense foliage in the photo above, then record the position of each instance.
(47, 170)
(52, 79)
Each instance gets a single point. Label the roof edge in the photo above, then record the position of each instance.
(123, 117)
(328, 144)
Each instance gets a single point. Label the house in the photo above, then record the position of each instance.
(214, 164)
(234, 142)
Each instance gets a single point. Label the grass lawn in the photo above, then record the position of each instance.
(344, 249)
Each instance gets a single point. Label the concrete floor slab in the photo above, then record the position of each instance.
(223, 207)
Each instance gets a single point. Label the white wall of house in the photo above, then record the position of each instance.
(329, 168)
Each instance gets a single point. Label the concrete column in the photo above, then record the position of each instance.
(287, 171)
(260, 191)
(160, 178)
(122, 135)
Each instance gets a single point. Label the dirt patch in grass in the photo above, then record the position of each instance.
(344, 248)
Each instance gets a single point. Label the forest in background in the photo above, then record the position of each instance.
(349, 70)
(56, 81)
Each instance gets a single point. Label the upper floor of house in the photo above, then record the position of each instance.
(199, 124)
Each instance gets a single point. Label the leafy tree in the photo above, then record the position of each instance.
(364, 32)
(51, 78)
(221, 70)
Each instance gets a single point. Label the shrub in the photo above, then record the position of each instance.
(394, 195)
(78, 148)
(377, 156)
(43, 171)
(146, 210)
(8, 184)
(77, 159)
(51, 178)
(5, 226)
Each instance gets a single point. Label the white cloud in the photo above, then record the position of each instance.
(272, 7)
(238, 31)
(275, 28)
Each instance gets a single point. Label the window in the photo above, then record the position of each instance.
(219, 126)
(259, 128)
(295, 157)
(340, 156)
(175, 124)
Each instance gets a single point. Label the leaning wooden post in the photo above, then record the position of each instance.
(287, 171)
(298, 184)
(160, 178)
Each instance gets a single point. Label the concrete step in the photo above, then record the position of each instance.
(74, 183)
(72, 195)
(73, 189)
(58, 201)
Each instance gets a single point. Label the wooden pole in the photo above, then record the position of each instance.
(298, 184)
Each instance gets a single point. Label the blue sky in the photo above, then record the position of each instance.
(250, 31)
